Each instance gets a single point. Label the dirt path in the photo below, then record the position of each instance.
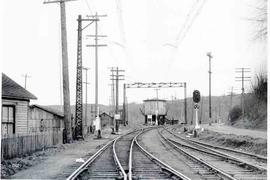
(58, 163)
(221, 128)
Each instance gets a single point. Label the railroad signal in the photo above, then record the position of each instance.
(196, 106)
(196, 96)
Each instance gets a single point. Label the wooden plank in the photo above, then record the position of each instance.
(16, 145)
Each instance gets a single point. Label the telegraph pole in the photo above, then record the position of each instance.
(185, 101)
(112, 90)
(210, 111)
(113, 99)
(124, 104)
(86, 92)
(116, 78)
(242, 79)
(96, 45)
(67, 113)
(25, 79)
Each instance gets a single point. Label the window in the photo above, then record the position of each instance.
(8, 119)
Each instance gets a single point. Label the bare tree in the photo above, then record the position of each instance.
(259, 20)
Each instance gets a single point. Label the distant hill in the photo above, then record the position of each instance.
(221, 106)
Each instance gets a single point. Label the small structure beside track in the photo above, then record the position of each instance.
(154, 111)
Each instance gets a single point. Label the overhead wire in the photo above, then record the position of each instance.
(100, 29)
(193, 18)
(119, 10)
(189, 21)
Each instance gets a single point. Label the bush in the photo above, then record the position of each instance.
(234, 114)
(260, 87)
(255, 104)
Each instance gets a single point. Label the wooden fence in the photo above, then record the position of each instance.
(17, 145)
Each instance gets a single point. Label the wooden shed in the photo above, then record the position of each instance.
(43, 118)
(106, 120)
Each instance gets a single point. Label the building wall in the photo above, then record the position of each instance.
(42, 121)
(105, 120)
(151, 107)
(21, 114)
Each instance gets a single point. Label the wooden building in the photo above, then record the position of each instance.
(24, 128)
(15, 104)
(106, 120)
(42, 118)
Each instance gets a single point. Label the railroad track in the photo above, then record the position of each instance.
(99, 166)
(124, 158)
(220, 164)
(143, 165)
(259, 162)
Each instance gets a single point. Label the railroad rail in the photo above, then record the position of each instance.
(105, 151)
(143, 164)
(225, 166)
(115, 160)
(252, 160)
(106, 155)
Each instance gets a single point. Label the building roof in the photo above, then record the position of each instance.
(105, 114)
(154, 99)
(11, 89)
(49, 110)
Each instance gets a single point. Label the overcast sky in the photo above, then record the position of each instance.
(146, 38)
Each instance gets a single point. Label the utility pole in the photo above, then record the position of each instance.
(86, 92)
(126, 110)
(124, 104)
(79, 129)
(116, 78)
(242, 79)
(157, 92)
(231, 97)
(96, 45)
(156, 89)
(112, 90)
(192, 110)
(79, 93)
(210, 112)
(25, 79)
(200, 122)
(185, 101)
(113, 99)
(67, 113)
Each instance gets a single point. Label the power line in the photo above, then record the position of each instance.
(120, 20)
(193, 18)
(88, 6)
